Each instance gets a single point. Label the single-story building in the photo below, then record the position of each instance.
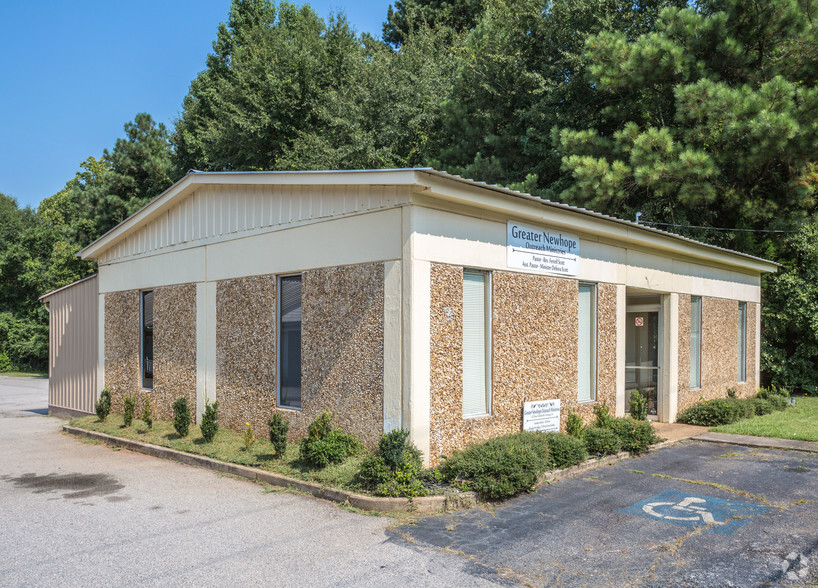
(413, 298)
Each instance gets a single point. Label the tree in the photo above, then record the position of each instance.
(408, 16)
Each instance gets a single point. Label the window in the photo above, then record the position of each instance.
(586, 360)
(695, 342)
(476, 343)
(742, 341)
(289, 342)
(146, 342)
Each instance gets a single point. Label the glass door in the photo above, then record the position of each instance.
(642, 358)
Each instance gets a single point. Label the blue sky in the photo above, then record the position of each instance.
(73, 73)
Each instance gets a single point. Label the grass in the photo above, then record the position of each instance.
(228, 446)
(798, 422)
(25, 374)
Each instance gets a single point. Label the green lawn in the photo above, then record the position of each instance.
(25, 374)
(228, 446)
(799, 422)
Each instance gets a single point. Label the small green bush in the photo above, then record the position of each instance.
(762, 406)
(636, 436)
(731, 393)
(769, 392)
(600, 441)
(5, 363)
(603, 416)
(639, 406)
(248, 438)
(130, 405)
(565, 450)
(720, 411)
(210, 418)
(325, 445)
(500, 467)
(573, 424)
(181, 416)
(394, 468)
(147, 417)
(103, 405)
(777, 401)
(278, 434)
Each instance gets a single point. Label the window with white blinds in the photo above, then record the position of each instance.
(476, 343)
(742, 341)
(695, 342)
(586, 360)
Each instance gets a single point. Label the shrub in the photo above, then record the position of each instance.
(394, 468)
(500, 467)
(278, 434)
(778, 402)
(325, 445)
(210, 425)
(127, 413)
(248, 438)
(778, 397)
(731, 393)
(600, 441)
(5, 363)
(636, 436)
(721, 411)
(565, 450)
(639, 406)
(761, 406)
(146, 413)
(181, 417)
(573, 424)
(603, 416)
(103, 405)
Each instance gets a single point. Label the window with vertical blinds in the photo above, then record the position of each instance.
(695, 342)
(586, 360)
(476, 337)
(147, 340)
(289, 342)
(742, 341)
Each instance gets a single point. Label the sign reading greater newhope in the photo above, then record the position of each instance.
(542, 250)
(542, 415)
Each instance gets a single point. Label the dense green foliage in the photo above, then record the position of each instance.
(147, 413)
(636, 436)
(181, 416)
(639, 406)
(724, 411)
(103, 405)
(500, 467)
(394, 468)
(210, 420)
(599, 441)
(565, 450)
(694, 114)
(278, 434)
(324, 445)
(128, 410)
(573, 424)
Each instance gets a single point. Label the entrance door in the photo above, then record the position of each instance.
(642, 342)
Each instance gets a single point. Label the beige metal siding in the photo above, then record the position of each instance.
(72, 347)
(220, 212)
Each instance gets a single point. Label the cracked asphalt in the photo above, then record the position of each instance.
(581, 532)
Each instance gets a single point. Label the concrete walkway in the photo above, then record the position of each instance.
(751, 441)
(677, 431)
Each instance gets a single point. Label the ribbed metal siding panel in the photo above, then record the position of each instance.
(222, 211)
(73, 347)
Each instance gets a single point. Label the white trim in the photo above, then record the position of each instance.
(391, 346)
(621, 325)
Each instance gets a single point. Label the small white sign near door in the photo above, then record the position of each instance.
(542, 415)
(542, 250)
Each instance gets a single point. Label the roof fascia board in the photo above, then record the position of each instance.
(541, 211)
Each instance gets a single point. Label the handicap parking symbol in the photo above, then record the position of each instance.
(679, 508)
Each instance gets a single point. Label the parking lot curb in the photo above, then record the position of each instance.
(421, 504)
(761, 442)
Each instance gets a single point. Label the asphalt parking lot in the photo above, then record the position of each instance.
(693, 514)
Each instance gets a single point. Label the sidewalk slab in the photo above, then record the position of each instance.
(766, 442)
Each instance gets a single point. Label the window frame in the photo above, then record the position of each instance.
(279, 332)
(698, 380)
(594, 348)
(142, 328)
(487, 343)
(742, 342)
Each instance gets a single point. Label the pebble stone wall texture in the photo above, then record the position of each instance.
(719, 351)
(245, 352)
(684, 392)
(341, 351)
(122, 316)
(534, 353)
(174, 350)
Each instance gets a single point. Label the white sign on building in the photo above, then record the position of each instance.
(542, 250)
(542, 415)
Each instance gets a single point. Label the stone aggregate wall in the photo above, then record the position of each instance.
(246, 352)
(341, 351)
(719, 354)
(174, 350)
(534, 353)
(122, 315)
